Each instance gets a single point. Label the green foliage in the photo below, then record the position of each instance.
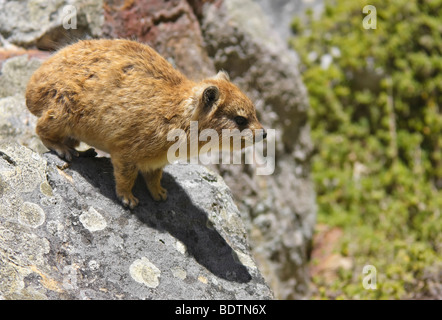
(376, 120)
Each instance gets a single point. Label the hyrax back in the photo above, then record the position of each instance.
(122, 97)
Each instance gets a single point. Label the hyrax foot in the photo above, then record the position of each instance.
(159, 194)
(128, 200)
(125, 174)
(65, 152)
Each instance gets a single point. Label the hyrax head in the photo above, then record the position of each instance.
(222, 107)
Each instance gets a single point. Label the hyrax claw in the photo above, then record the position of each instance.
(159, 195)
(129, 201)
(66, 153)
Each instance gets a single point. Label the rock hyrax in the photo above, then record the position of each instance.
(122, 97)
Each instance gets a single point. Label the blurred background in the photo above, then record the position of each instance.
(355, 97)
(375, 98)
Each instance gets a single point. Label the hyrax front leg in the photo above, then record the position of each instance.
(153, 182)
(125, 175)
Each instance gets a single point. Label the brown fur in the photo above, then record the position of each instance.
(122, 97)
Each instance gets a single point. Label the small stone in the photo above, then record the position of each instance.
(202, 279)
(92, 220)
(145, 272)
(181, 247)
(31, 215)
(46, 189)
(179, 273)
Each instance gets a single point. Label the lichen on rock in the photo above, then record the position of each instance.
(62, 239)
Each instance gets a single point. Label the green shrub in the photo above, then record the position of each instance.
(377, 123)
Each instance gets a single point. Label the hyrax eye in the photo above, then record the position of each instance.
(240, 120)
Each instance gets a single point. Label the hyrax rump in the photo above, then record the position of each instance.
(122, 97)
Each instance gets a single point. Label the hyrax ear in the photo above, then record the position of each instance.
(210, 97)
(222, 75)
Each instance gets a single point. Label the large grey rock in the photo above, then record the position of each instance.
(278, 210)
(15, 73)
(48, 24)
(280, 207)
(64, 235)
(74, 196)
(16, 122)
(170, 27)
(282, 12)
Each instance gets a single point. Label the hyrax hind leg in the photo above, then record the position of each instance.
(51, 131)
(153, 182)
(125, 175)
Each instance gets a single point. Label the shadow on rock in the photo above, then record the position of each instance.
(178, 216)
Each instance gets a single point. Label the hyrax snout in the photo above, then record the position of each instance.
(122, 97)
